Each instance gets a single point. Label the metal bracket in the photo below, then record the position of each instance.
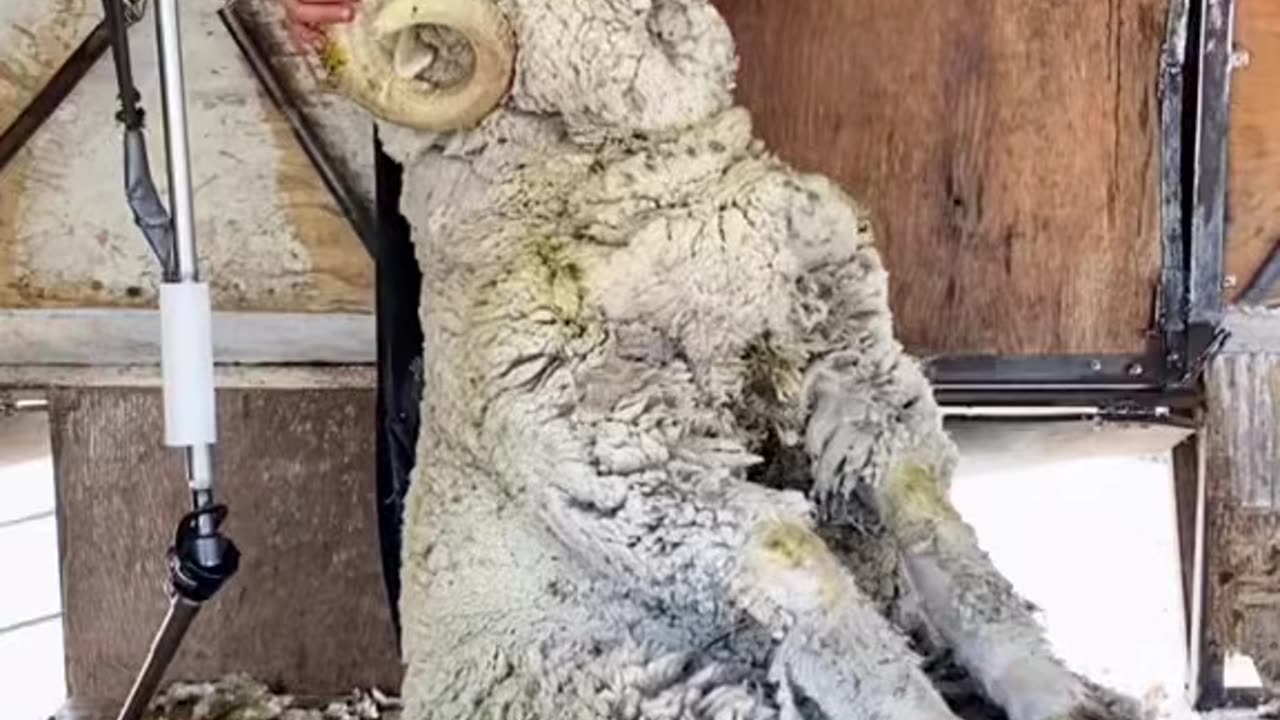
(1046, 371)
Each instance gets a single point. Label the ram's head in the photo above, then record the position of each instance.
(624, 65)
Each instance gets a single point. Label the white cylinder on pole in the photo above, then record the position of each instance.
(186, 362)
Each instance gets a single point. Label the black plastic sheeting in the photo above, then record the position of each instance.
(399, 335)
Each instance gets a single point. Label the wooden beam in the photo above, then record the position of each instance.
(1242, 593)
(277, 377)
(132, 337)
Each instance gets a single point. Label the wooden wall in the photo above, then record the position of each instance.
(1253, 227)
(307, 609)
(1243, 501)
(1008, 149)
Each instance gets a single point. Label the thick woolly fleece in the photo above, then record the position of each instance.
(641, 330)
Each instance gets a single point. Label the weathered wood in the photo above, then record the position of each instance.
(345, 128)
(1007, 148)
(1253, 228)
(280, 377)
(1245, 417)
(307, 609)
(35, 39)
(270, 236)
(132, 337)
(1243, 522)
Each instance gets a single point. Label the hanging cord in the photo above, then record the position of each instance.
(120, 15)
(149, 213)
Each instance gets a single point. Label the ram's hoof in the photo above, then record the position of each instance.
(1103, 704)
(428, 64)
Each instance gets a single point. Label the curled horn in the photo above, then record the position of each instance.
(371, 61)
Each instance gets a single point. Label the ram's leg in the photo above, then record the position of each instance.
(874, 436)
(974, 609)
(726, 549)
(840, 657)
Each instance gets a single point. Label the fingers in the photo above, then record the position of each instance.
(305, 37)
(318, 12)
(307, 18)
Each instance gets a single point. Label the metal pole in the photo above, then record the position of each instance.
(208, 548)
(181, 612)
(169, 41)
(186, 266)
(201, 559)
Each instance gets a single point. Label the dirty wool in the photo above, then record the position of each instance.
(239, 697)
(673, 463)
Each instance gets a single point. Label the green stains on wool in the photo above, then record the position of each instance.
(914, 500)
(787, 549)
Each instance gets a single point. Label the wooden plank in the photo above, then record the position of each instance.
(1243, 391)
(1253, 228)
(1007, 148)
(269, 234)
(1242, 602)
(307, 610)
(35, 39)
(279, 377)
(132, 337)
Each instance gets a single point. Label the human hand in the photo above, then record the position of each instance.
(307, 18)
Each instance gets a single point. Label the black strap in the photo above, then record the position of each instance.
(191, 579)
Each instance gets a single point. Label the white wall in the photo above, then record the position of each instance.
(1094, 544)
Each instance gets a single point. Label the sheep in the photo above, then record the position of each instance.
(673, 462)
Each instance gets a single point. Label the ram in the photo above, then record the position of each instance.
(673, 462)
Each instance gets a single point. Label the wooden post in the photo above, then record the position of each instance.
(1242, 532)
(307, 611)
